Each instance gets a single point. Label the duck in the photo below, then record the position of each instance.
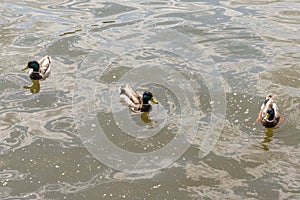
(39, 70)
(136, 101)
(269, 114)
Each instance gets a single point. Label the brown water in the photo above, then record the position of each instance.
(74, 140)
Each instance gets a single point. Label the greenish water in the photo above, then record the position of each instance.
(95, 46)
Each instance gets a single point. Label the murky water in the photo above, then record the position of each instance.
(97, 46)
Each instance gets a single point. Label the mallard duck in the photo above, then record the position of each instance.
(269, 114)
(136, 101)
(39, 70)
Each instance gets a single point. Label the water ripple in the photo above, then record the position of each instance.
(255, 45)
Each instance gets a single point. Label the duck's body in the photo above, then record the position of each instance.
(269, 114)
(39, 70)
(136, 101)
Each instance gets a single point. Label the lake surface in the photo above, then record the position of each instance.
(210, 65)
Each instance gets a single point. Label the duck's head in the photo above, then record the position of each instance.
(270, 111)
(33, 65)
(148, 96)
(270, 114)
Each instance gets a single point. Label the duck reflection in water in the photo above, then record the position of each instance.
(145, 118)
(267, 139)
(35, 87)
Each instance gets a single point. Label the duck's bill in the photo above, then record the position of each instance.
(154, 100)
(267, 116)
(24, 68)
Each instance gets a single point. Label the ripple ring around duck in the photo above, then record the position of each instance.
(184, 80)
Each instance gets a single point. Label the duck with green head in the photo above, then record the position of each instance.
(136, 101)
(39, 70)
(269, 114)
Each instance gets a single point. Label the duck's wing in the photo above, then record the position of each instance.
(45, 66)
(128, 101)
(131, 97)
(134, 96)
